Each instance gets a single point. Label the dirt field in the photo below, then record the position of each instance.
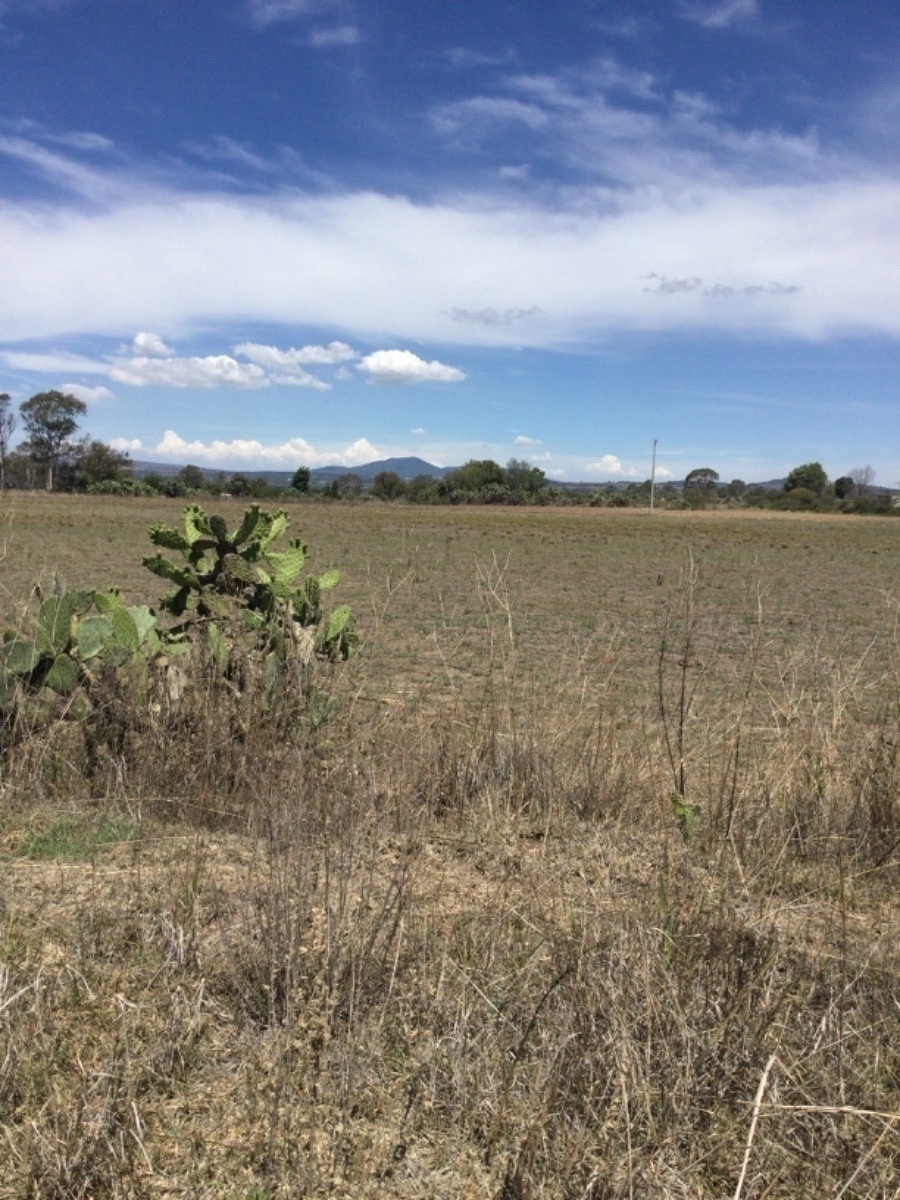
(587, 889)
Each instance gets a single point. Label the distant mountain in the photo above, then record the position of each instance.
(406, 468)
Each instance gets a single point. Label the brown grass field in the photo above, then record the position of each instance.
(587, 889)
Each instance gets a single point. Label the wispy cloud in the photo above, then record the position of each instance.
(719, 14)
(490, 316)
(270, 12)
(334, 35)
(473, 269)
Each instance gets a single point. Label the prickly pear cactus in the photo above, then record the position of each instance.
(240, 572)
(76, 636)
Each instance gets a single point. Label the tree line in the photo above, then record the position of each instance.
(52, 455)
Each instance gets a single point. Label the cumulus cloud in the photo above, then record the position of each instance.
(608, 465)
(402, 366)
(216, 370)
(151, 345)
(126, 445)
(251, 453)
(284, 360)
(90, 395)
(522, 440)
(418, 431)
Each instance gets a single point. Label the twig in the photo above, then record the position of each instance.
(757, 1105)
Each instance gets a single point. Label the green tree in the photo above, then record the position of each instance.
(96, 462)
(736, 489)
(704, 478)
(844, 487)
(7, 428)
(193, 477)
(387, 485)
(301, 479)
(522, 478)
(810, 476)
(423, 489)
(474, 475)
(50, 418)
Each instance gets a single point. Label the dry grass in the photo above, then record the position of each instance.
(465, 940)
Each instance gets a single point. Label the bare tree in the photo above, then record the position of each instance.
(862, 479)
(7, 426)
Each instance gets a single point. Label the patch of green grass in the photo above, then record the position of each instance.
(77, 839)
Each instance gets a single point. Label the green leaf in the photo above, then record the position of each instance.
(92, 635)
(329, 581)
(63, 675)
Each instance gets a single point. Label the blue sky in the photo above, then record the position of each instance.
(259, 233)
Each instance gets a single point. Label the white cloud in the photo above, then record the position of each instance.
(251, 453)
(269, 12)
(608, 465)
(719, 14)
(335, 35)
(151, 345)
(126, 445)
(522, 440)
(284, 360)
(418, 431)
(484, 111)
(90, 395)
(52, 363)
(216, 370)
(301, 379)
(402, 366)
(385, 267)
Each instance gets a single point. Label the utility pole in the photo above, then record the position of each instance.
(653, 476)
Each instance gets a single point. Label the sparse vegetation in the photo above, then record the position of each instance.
(579, 880)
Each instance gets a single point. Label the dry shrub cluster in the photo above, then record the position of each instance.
(538, 939)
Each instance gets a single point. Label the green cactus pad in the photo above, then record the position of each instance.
(92, 635)
(63, 675)
(19, 657)
(53, 628)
